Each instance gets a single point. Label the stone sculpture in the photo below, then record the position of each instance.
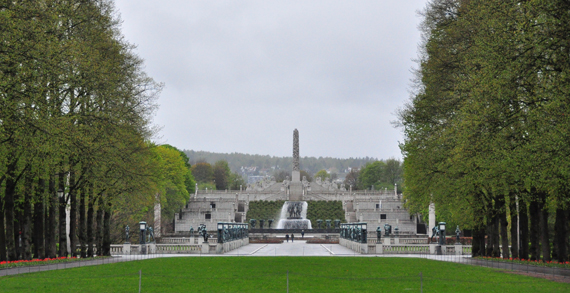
(295, 150)
(269, 222)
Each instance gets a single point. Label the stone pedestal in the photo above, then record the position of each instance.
(379, 248)
(152, 248)
(205, 247)
(126, 248)
(386, 240)
(396, 240)
(432, 248)
(458, 249)
(296, 176)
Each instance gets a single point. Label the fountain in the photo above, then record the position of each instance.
(294, 216)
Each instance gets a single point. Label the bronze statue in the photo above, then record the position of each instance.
(457, 233)
(378, 234)
(127, 229)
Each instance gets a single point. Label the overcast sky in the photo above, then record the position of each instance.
(240, 76)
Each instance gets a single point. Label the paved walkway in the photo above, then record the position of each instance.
(297, 248)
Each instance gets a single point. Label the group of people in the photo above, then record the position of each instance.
(293, 236)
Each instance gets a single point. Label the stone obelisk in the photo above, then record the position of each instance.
(296, 175)
(296, 187)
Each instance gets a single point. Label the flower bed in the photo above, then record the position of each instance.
(322, 241)
(37, 262)
(541, 263)
(267, 240)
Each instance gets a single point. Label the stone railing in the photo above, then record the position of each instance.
(405, 249)
(178, 248)
(179, 240)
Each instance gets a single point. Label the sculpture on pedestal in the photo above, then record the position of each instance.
(269, 222)
(127, 229)
(457, 233)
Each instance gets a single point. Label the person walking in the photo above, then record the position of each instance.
(292, 237)
(287, 237)
(302, 234)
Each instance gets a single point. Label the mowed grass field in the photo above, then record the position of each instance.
(269, 274)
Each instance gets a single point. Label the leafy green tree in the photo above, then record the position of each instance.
(203, 172)
(322, 174)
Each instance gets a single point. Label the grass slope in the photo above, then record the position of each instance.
(269, 274)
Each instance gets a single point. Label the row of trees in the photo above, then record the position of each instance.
(311, 164)
(218, 177)
(378, 175)
(486, 130)
(75, 108)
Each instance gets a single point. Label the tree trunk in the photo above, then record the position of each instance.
(99, 233)
(9, 209)
(82, 223)
(107, 230)
(51, 216)
(495, 238)
(523, 214)
(561, 235)
(502, 210)
(39, 215)
(534, 214)
(72, 214)
(514, 228)
(19, 218)
(90, 212)
(62, 216)
(27, 218)
(544, 236)
(478, 244)
(3, 256)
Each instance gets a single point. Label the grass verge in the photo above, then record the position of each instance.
(269, 274)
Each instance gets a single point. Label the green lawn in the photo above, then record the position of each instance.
(269, 274)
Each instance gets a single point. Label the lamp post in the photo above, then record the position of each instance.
(441, 233)
(142, 226)
(220, 233)
(62, 223)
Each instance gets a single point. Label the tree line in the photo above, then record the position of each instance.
(486, 129)
(310, 164)
(75, 109)
(216, 177)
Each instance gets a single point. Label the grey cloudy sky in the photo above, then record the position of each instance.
(240, 76)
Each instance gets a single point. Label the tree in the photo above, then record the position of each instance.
(351, 179)
(202, 172)
(322, 174)
(221, 175)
